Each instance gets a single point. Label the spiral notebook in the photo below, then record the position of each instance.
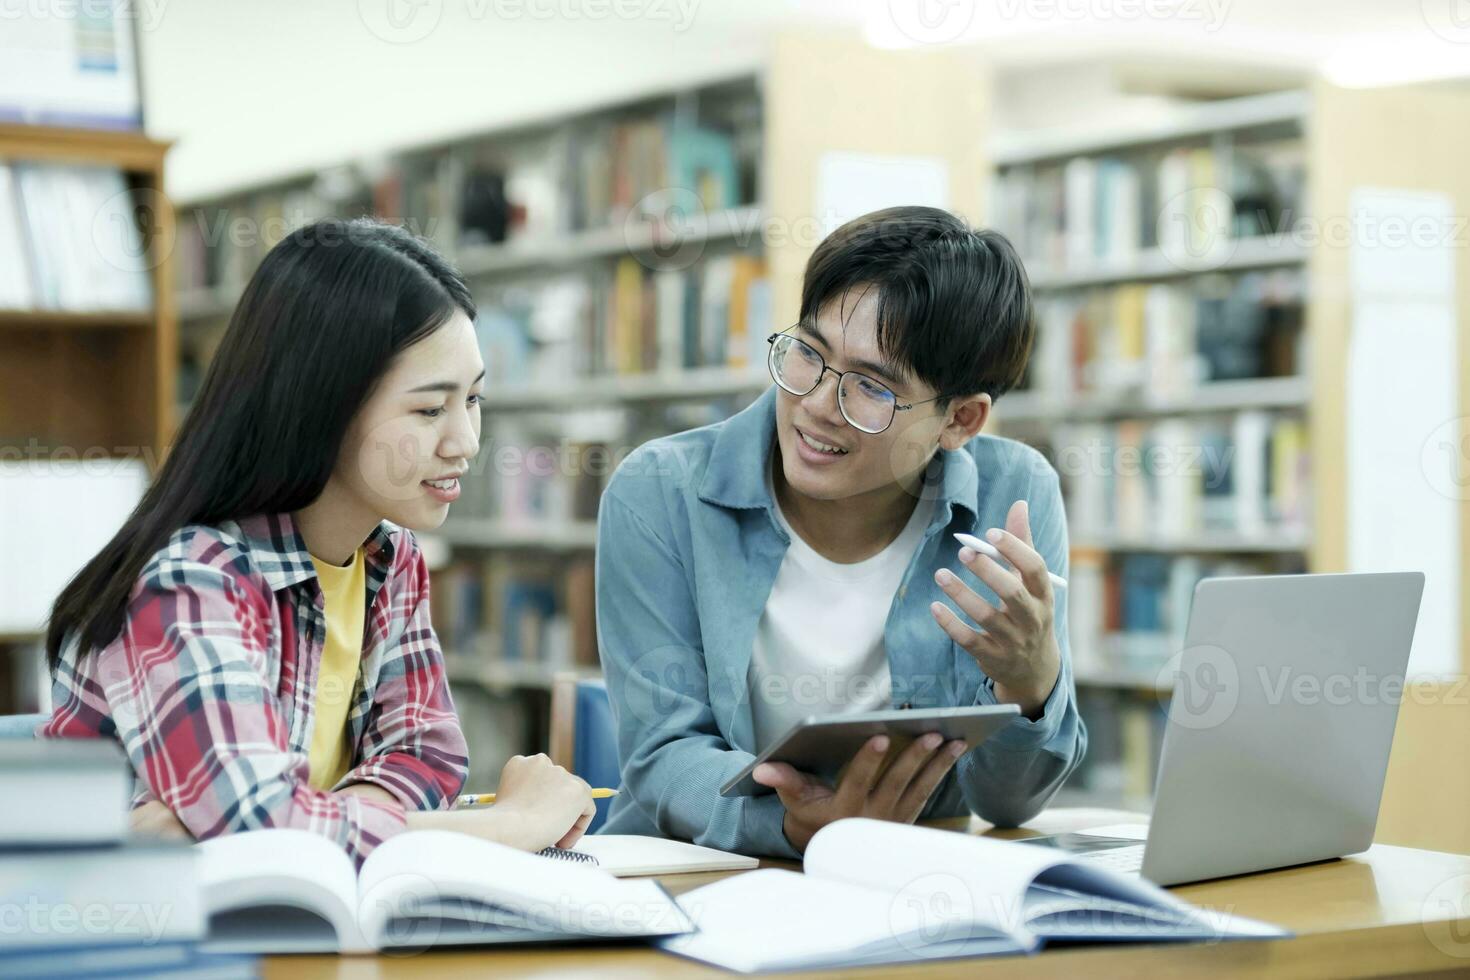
(629, 855)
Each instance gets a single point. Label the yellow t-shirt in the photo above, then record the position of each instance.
(344, 594)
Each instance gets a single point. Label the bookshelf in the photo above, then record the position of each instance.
(513, 599)
(1304, 153)
(64, 352)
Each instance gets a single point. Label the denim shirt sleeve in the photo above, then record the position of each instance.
(1009, 778)
(673, 756)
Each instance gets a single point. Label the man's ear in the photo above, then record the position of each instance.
(964, 420)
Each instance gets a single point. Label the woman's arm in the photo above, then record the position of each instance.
(185, 687)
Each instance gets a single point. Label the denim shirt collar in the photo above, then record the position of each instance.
(733, 480)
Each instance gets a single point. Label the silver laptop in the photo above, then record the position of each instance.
(1278, 732)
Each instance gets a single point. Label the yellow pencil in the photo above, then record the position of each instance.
(480, 799)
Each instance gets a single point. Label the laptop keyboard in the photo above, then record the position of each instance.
(1124, 859)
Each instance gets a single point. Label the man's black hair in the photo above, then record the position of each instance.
(954, 304)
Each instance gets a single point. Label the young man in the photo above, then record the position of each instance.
(799, 559)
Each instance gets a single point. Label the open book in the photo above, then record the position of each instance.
(292, 891)
(877, 892)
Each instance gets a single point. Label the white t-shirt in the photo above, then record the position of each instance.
(819, 645)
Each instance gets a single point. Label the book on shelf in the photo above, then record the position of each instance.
(1163, 340)
(641, 320)
(1099, 211)
(69, 240)
(516, 609)
(1125, 736)
(1127, 613)
(591, 174)
(1243, 473)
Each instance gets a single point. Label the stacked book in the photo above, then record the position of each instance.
(78, 896)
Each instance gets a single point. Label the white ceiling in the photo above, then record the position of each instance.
(251, 90)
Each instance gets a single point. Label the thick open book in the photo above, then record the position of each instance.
(877, 892)
(292, 891)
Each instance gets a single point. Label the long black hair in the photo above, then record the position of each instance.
(314, 331)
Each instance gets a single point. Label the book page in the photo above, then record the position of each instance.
(411, 884)
(780, 920)
(279, 891)
(961, 876)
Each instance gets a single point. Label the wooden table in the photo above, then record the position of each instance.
(1390, 910)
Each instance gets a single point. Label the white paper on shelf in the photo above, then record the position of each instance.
(57, 515)
(852, 184)
(1403, 411)
(81, 70)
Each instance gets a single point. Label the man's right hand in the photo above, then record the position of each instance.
(897, 793)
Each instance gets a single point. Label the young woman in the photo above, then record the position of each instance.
(257, 635)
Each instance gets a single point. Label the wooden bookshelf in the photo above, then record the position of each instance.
(1404, 139)
(79, 382)
(899, 103)
(87, 379)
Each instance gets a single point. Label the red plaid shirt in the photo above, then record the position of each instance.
(210, 687)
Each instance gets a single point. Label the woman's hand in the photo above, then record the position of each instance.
(153, 819)
(553, 801)
(537, 804)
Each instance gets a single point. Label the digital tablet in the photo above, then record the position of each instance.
(825, 743)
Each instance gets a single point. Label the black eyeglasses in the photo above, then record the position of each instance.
(868, 405)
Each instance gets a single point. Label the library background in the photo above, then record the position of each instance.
(1237, 370)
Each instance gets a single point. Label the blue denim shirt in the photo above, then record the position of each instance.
(688, 546)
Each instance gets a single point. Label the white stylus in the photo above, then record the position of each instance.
(986, 548)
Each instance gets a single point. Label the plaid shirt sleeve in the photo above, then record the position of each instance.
(189, 688)
(411, 742)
